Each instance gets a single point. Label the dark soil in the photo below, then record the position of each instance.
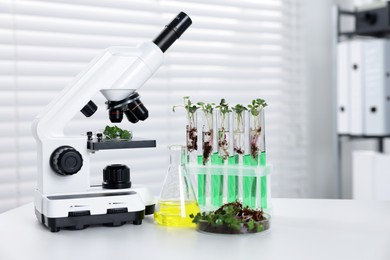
(242, 213)
(192, 135)
(207, 150)
(254, 147)
(207, 145)
(239, 150)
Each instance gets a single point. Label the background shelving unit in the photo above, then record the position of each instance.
(369, 22)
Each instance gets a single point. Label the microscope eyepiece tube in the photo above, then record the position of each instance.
(173, 31)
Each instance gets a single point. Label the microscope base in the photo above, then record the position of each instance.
(81, 222)
(78, 211)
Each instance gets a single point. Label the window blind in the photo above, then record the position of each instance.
(235, 49)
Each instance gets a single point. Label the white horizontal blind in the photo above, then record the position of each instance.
(236, 49)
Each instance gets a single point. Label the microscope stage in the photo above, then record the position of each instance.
(96, 145)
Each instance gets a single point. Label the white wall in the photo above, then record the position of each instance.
(322, 142)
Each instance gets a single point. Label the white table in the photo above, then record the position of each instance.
(301, 229)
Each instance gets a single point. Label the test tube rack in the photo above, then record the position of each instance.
(218, 184)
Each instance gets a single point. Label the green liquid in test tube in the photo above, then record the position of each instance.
(233, 179)
(201, 183)
(263, 183)
(216, 181)
(249, 183)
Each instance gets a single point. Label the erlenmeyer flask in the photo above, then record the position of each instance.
(177, 199)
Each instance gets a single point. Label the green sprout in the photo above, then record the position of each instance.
(239, 108)
(207, 109)
(192, 137)
(255, 108)
(223, 128)
(224, 107)
(256, 105)
(232, 215)
(190, 108)
(114, 132)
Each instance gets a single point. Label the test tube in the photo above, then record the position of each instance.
(263, 162)
(217, 181)
(192, 137)
(207, 152)
(202, 193)
(223, 137)
(251, 158)
(236, 153)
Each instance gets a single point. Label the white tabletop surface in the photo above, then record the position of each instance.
(301, 229)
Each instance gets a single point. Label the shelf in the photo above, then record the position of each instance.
(374, 22)
(364, 136)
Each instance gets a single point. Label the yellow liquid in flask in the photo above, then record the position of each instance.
(175, 214)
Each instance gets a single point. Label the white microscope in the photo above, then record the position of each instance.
(64, 197)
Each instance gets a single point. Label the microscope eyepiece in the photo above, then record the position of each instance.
(173, 31)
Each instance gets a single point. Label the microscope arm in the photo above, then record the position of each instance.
(116, 67)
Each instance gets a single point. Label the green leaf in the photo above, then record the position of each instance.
(260, 228)
(239, 108)
(256, 105)
(125, 135)
(251, 224)
(233, 215)
(114, 132)
(188, 105)
(223, 107)
(206, 107)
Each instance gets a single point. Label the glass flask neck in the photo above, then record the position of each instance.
(176, 155)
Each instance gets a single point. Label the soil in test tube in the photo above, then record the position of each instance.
(233, 179)
(216, 181)
(249, 183)
(201, 183)
(263, 183)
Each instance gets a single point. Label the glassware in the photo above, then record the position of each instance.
(217, 179)
(223, 139)
(177, 199)
(236, 153)
(239, 132)
(207, 136)
(254, 156)
(202, 193)
(192, 136)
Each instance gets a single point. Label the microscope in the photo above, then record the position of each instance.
(64, 198)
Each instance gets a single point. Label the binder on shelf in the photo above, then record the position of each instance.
(376, 90)
(356, 115)
(343, 85)
(370, 175)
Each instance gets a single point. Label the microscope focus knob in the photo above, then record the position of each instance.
(116, 176)
(66, 160)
